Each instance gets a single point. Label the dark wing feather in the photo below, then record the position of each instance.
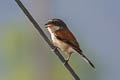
(66, 36)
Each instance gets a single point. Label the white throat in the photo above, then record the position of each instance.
(52, 29)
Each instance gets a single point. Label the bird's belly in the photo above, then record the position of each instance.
(63, 46)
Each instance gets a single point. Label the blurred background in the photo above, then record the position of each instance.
(24, 55)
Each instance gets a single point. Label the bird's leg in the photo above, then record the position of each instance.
(66, 61)
(54, 48)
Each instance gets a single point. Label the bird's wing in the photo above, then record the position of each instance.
(66, 36)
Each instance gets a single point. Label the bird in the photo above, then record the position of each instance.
(64, 39)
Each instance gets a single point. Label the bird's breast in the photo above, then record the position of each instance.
(62, 45)
(58, 43)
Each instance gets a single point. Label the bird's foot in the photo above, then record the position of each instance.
(54, 48)
(66, 62)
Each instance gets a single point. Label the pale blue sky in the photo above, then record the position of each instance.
(96, 23)
(8, 10)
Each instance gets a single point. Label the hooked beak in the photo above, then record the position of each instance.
(48, 25)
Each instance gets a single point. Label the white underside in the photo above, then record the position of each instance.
(60, 44)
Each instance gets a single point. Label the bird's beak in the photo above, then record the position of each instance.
(48, 25)
(45, 25)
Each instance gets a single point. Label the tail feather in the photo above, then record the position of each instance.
(85, 58)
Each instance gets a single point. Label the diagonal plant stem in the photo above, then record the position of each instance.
(68, 67)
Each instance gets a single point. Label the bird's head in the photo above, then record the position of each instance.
(58, 23)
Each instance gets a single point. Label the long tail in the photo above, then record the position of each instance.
(85, 58)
